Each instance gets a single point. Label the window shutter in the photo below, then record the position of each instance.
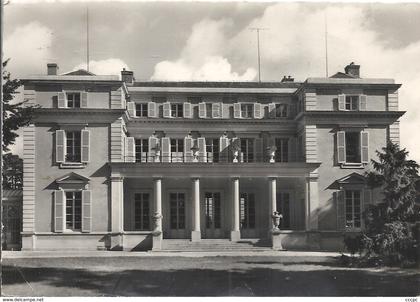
(85, 155)
(166, 149)
(272, 110)
(364, 146)
(341, 147)
(201, 142)
(215, 110)
(153, 141)
(61, 100)
(60, 147)
(84, 100)
(202, 112)
(257, 110)
(341, 215)
(187, 110)
(362, 102)
(237, 110)
(151, 109)
(130, 146)
(225, 111)
(166, 109)
(223, 145)
(86, 211)
(131, 108)
(341, 102)
(59, 211)
(188, 154)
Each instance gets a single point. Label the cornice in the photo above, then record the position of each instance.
(76, 115)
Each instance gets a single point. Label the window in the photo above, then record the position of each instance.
(353, 209)
(177, 150)
(142, 148)
(141, 109)
(247, 150)
(282, 151)
(283, 207)
(352, 102)
(213, 150)
(141, 211)
(177, 210)
(212, 210)
(247, 110)
(177, 110)
(74, 210)
(73, 99)
(73, 146)
(353, 147)
(281, 110)
(247, 210)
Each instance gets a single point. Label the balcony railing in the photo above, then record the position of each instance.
(180, 157)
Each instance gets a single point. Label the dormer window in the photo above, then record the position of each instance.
(73, 99)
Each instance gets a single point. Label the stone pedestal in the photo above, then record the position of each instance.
(276, 238)
(195, 236)
(235, 236)
(116, 241)
(157, 241)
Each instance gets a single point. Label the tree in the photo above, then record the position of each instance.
(391, 234)
(14, 115)
(12, 172)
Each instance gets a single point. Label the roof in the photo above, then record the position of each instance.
(342, 75)
(79, 72)
(198, 84)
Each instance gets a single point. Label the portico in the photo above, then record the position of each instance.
(197, 202)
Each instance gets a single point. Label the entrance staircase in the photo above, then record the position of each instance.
(214, 245)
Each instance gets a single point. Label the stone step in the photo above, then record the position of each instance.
(215, 245)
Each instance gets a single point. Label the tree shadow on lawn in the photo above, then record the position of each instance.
(207, 282)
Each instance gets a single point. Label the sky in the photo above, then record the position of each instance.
(215, 41)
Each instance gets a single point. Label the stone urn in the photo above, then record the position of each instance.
(271, 153)
(277, 217)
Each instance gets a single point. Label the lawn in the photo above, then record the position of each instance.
(206, 276)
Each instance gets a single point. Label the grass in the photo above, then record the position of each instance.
(207, 276)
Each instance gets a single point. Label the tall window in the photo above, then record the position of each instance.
(282, 152)
(352, 102)
(141, 211)
(283, 207)
(353, 147)
(177, 210)
(213, 150)
(177, 110)
(247, 210)
(74, 210)
(247, 110)
(142, 148)
(73, 143)
(212, 210)
(247, 150)
(353, 208)
(281, 110)
(73, 99)
(177, 150)
(141, 109)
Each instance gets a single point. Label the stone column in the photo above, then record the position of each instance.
(117, 212)
(157, 217)
(196, 232)
(272, 192)
(235, 234)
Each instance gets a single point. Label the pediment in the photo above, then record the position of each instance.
(72, 178)
(353, 178)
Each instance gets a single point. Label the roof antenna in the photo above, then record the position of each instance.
(257, 29)
(326, 43)
(87, 37)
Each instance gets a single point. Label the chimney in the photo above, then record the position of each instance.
(287, 79)
(52, 69)
(127, 76)
(352, 70)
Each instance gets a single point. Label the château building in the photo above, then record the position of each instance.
(112, 163)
